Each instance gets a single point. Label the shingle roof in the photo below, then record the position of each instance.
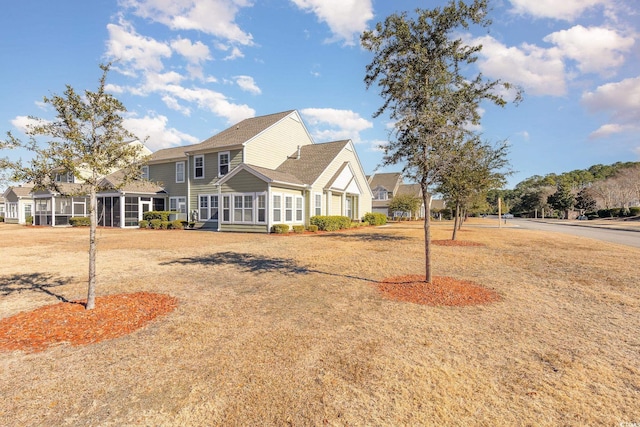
(314, 159)
(169, 153)
(241, 132)
(388, 180)
(409, 190)
(21, 191)
(137, 186)
(277, 176)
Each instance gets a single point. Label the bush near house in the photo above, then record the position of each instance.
(330, 222)
(298, 228)
(176, 225)
(28, 220)
(280, 228)
(1, 219)
(375, 218)
(634, 211)
(312, 228)
(80, 221)
(161, 215)
(143, 223)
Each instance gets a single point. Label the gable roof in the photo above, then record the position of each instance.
(240, 133)
(413, 190)
(19, 191)
(177, 153)
(265, 174)
(114, 180)
(387, 180)
(314, 159)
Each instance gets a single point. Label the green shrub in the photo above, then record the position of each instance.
(330, 222)
(143, 223)
(161, 215)
(280, 228)
(298, 228)
(176, 225)
(156, 223)
(375, 218)
(634, 211)
(164, 225)
(28, 220)
(80, 221)
(312, 228)
(1, 219)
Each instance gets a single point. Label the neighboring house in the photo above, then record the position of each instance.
(262, 171)
(2, 206)
(384, 187)
(412, 190)
(18, 203)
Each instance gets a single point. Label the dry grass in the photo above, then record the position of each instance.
(277, 331)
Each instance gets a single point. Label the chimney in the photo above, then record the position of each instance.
(298, 156)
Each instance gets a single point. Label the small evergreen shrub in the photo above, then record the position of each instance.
(80, 221)
(280, 228)
(633, 211)
(312, 228)
(164, 225)
(330, 222)
(1, 219)
(161, 215)
(176, 225)
(28, 220)
(143, 223)
(375, 218)
(156, 223)
(298, 228)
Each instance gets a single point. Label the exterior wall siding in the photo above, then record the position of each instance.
(244, 182)
(165, 175)
(271, 148)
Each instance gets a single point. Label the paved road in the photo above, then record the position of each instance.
(622, 237)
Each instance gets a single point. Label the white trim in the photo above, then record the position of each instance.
(195, 166)
(183, 171)
(222, 153)
(253, 209)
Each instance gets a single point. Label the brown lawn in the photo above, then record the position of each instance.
(294, 331)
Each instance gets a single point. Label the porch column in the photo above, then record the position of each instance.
(53, 210)
(329, 197)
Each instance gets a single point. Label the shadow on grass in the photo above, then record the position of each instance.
(367, 237)
(257, 264)
(37, 282)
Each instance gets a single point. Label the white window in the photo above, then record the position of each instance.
(261, 201)
(70, 177)
(348, 206)
(318, 204)
(288, 208)
(180, 172)
(277, 208)
(12, 210)
(178, 204)
(144, 172)
(380, 193)
(223, 163)
(198, 167)
(299, 211)
(226, 209)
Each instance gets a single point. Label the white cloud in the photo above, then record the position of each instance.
(567, 10)
(154, 127)
(540, 71)
(596, 49)
(346, 18)
(195, 53)
(247, 84)
(212, 101)
(621, 100)
(329, 124)
(215, 17)
(173, 103)
(142, 53)
(23, 123)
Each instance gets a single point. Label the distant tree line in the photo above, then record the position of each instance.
(603, 190)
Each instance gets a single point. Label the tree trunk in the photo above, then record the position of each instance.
(93, 215)
(426, 198)
(456, 221)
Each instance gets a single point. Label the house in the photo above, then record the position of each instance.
(262, 171)
(413, 190)
(2, 206)
(384, 187)
(18, 203)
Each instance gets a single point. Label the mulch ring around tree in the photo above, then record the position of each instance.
(449, 242)
(113, 316)
(442, 291)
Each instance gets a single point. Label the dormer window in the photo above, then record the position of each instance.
(223, 163)
(380, 193)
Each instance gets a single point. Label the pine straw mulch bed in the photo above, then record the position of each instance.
(442, 291)
(113, 316)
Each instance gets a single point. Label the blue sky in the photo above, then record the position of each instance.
(188, 69)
